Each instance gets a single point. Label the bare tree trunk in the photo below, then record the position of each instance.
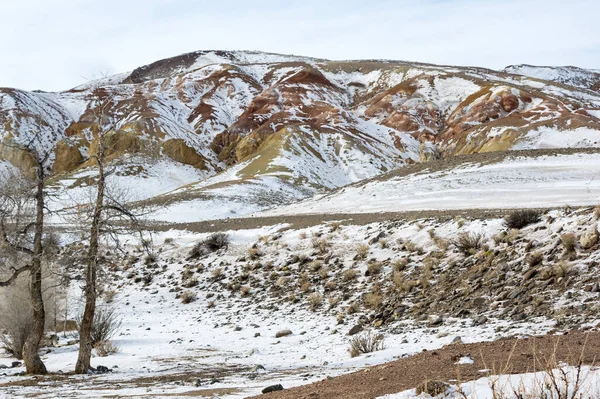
(31, 357)
(85, 329)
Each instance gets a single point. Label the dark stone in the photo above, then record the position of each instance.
(16, 364)
(355, 330)
(273, 388)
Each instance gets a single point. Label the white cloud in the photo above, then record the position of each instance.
(53, 45)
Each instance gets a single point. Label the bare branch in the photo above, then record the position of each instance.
(15, 275)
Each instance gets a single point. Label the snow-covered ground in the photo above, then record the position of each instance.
(547, 181)
(217, 341)
(517, 386)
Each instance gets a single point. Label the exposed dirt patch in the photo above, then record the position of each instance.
(528, 355)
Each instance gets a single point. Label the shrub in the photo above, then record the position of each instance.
(106, 348)
(535, 259)
(105, 325)
(362, 250)
(349, 274)
(16, 325)
(469, 243)
(569, 241)
(374, 268)
(187, 297)
(315, 300)
(521, 218)
(212, 243)
(373, 301)
(366, 343)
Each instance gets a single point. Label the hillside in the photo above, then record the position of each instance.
(291, 207)
(266, 129)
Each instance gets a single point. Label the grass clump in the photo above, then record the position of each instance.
(211, 244)
(366, 343)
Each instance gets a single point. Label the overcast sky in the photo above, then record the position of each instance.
(57, 44)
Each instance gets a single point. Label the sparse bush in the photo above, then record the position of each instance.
(106, 348)
(16, 322)
(374, 268)
(211, 244)
(373, 301)
(366, 343)
(109, 296)
(534, 259)
(105, 325)
(400, 264)
(521, 218)
(320, 244)
(353, 308)
(469, 243)
(315, 300)
(217, 273)
(410, 246)
(349, 274)
(245, 290)
(254, 253)
(569, 241)
(187, 297)
(334, 226)
(362, 250)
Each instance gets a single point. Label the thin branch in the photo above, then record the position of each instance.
(15, 275)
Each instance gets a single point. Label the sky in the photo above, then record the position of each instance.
(57, 44)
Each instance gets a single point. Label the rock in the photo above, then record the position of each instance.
(256, 368)
(432, 387)
(237, 328)
(16, 364)
(510, 102)
(179, 151)
(457, 340)
(273, 388)
(435, 320)
(480, 320)
(355, 330)
(589, 238)
(100, 370)
(3, 366)
(283, 333)
(529, 274)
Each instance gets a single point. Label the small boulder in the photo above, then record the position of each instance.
(589, 238)
(16, 364)
(273, 388)
(435, 320)
(283, 333)
(355, 330)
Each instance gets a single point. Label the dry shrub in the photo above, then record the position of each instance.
(534, 259)
(373, 301)
(106, 348)
(362, 250)
(187, 297)
(366, 343)
(105, 325)
(349, 274)
(334, 226)
(212, 243)
(569, 241)
(320, 244)
(315, 300)
(521, 218)
(374, 268)
(469, 243)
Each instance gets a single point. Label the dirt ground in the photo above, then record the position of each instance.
(507, 356)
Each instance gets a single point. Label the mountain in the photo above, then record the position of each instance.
(277, 127)
(568, 75)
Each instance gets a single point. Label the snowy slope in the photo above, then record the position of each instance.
(517, 182)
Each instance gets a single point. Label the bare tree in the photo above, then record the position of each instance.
(16, 227)
(105, 210)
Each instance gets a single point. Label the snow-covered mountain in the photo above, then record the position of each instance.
(295, 126)
(569, 75)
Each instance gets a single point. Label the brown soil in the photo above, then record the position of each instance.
(508, 356)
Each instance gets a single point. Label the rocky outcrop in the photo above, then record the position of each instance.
(179, 151)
